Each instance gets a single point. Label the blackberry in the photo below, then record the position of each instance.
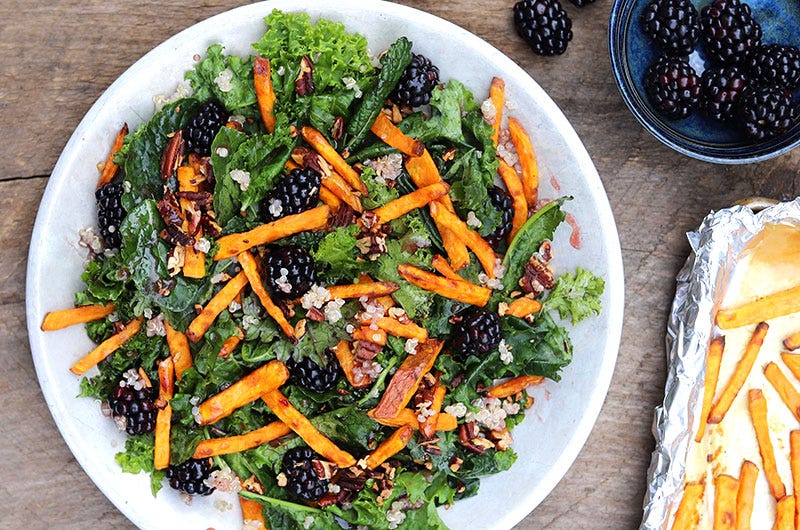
(311, 376)
(729, 31)
(501, 202)
(766, 111)
(203, 127)
(136, 406)
(672, 86)
(417, 82)
(303, 482)
(672, 24)
(289, 271)
(294, 193)
(190, 477)
(721, 89)
(110, 213)
(477, 332)
(775, 64)
(544, 25)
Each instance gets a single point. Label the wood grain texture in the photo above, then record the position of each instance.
(56, 58)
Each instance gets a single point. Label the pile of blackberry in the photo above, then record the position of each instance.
(501, 201)
(476, 332)
(288, 271)
(190, 476)
(302, 481)
(416, 83)
(748, 83)
(311, 376)
(296, 192)
(134, 407)
(203, 127)
(110, 213)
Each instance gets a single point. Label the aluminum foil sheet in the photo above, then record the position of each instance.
(701, 283)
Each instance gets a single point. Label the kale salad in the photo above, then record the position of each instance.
(322, 279)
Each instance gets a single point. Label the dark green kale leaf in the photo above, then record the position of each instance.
(576, 295)
(138, 457)
(539, 348)
(470, 191)
(219, 69)
(415, 301)
(337, 253)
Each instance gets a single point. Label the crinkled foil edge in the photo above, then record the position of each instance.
(701, 283)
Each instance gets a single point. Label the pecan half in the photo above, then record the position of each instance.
(172, 155)
(304, 84)
(537, 277)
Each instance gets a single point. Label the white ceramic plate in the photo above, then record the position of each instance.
(558, 425)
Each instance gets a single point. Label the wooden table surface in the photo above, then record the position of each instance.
(56, 58)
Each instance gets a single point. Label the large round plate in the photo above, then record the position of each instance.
(558, 425)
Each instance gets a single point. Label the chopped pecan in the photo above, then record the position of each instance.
(365, 350)
(546, 251)
(172, 155)
(328, 499)
(344, 216)
(210, 226)
(175, 236)
(201, 198)
(170, 209)
(304, 84)
(252, 484)
(337, 130)
(323, 469)
(176, 258)
(315, 315)
(193, 218)
(537, 276)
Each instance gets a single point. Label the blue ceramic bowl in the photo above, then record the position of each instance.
(696, 136)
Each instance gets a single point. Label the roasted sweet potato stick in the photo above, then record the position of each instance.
(784, 513)
(758, 413)
(527, 159)
(406, 379)
(391, 135)
(321, 146)
(285, 411)
(765, 308)
(357, 290)
(688, 514)
(792, 362)
(166, 389)
(497, 95)
(441, 266)
(390, 446)
(410, 202)
(744, 497)
(250, 269)
(77, 315)
(469, 237)
(792, 342)
(231, 343)
(445, 421)
(460, 290)
(339, 189)
(385, 301)
(713, 361)
(523, 307)
(252, 514)
(514, 385)
(743, 367)
(408, 330)
(244, 391)
(243, 442)
(794, 461)
(110, 168)
(427, 427)
(520, 204)
(215, 306)
(327, 197)
(265, 93)
(106, 348)
(344, 354)
(366, 333)
(725, 489)
(234, 244)
(178, 349)
(194, 265)
(788, 393)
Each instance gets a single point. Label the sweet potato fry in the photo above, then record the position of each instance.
(744, 497)
(367, 334)
(743, 367)
(391, 135)
(327, 197)
(357, 290)
(514, 385)
(794, 461)
(427, 427)
(792, 362)
(527, 159)
(246, 390)
(250, 269)
(234, 244)
(344, 354)
(688, 514)
(406, 379)
(194, 265)
(788, 393)
(285, 411)
(77, 315)
(252, 514)
(460, 290)
(440, 265)
(321, 146)
(110, 168)
(725, 489)
(390, 446)
(265, 93)
(784, 513)
(713, 361)
(758, 412)
(339, 189)
(166, 388)
(178, 349)
(231, 343)
(469, 237)
(106, 348)
(411, 201)
(215, 306)
(767, 307)
(497, 96)
(444, 422)
(243, 442)
(408, 330)
(520, 204)
(386, 301)
(523, 307)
